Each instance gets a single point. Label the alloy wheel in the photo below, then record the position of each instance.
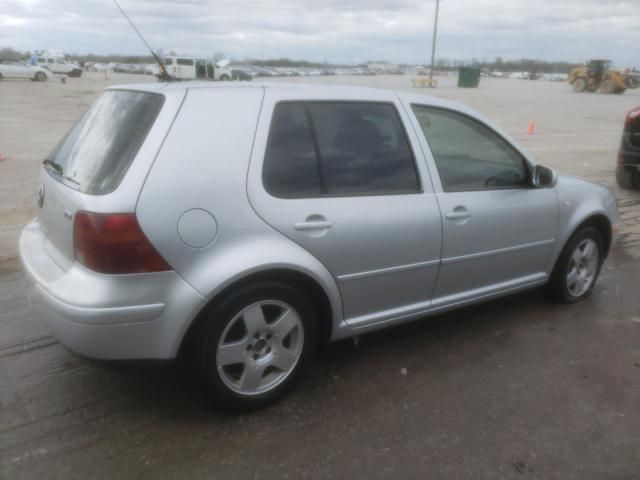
(260, 347)
(583, 267)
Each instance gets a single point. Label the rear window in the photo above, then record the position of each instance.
(338, 149)
(97, 152)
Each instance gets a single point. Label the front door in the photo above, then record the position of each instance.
(498, 231)
(344, 181)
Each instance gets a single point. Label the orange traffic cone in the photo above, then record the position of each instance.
(532, 128)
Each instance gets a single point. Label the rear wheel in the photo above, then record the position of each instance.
(579, 85)
(254, 346)
(578, 266)
(40, 76)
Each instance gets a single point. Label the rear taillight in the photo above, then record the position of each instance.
(113, 243)
(632, 116)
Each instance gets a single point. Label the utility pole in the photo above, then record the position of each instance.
(433, 45)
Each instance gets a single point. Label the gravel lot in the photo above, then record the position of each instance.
(516, 388)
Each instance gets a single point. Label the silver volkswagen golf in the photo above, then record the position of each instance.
(248, 224)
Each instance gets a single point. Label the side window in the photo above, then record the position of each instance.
(337, 149)
(468, 154)
(49, 60)
(363, 148)
(184, 61)
(290, 163)
(168, 61)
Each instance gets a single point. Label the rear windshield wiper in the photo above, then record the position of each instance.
(56, 167)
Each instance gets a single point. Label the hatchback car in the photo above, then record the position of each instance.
(628, 168)
(249, 224)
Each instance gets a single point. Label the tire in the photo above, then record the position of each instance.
(271, 330)
(627, 178)
(40, 77)
(579, 85)
(607, 87)
(0, 76)
(562, 287)
(224, 78)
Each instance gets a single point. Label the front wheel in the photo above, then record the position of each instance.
(41, 76)
(224, 78)
(607, 87)
(254, 346)
(578, 266)
(579, 85)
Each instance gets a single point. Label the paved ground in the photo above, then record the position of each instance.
(517, 388)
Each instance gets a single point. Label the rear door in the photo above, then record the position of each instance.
(344, 179)
(498, 231)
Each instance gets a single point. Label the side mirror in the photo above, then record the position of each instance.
(544, 177)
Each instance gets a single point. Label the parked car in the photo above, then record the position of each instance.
(17, 69)
(321, 213)
(55, 62)
(238, 74)
(628, 169)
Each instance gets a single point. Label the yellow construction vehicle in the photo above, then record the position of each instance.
(598, 75)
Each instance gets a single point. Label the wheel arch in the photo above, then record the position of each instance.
(597, 220)
(601, 223)
(288, 276)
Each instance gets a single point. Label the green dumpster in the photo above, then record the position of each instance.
(468, 77)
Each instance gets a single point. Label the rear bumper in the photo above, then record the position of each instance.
(121, 317)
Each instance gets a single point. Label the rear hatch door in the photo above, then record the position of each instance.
(86, 169)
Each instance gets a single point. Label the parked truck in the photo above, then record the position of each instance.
(56, 62)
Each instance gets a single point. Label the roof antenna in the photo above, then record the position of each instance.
(164, 75)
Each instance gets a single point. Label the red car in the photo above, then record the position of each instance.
(628, 170)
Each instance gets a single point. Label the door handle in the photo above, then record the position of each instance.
(312, 225)
(459, 213)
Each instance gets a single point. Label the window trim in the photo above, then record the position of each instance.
(325, 194)
(523, 158)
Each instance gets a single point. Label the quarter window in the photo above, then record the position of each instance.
(468, 154)
(350, 148)
(290, 164)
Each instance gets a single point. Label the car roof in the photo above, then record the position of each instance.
(345, 91)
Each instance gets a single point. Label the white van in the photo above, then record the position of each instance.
(191, 68)
(55, 62)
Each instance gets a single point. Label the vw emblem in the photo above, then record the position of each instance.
(41, 195)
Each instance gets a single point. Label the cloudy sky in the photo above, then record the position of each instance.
(338, 31)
